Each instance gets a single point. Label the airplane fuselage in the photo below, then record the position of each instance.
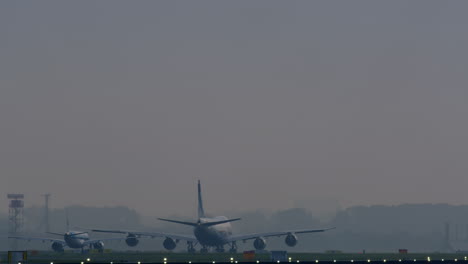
(216, 235)
(75, 239)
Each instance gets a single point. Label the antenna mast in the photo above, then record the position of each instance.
(46, 212)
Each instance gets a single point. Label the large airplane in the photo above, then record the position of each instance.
(71, 239)
(211, 232)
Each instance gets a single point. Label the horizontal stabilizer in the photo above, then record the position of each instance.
(77, 234)
(179, 222)
(220, 222)
(200, 224)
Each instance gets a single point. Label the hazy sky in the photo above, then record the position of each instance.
(272, 104)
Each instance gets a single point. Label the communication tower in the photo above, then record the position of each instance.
(15, 216)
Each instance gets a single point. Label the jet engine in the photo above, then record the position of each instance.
(99, 245)
(131, 240)
(57, 247)
(290, 240)
(169, 243)
(259, 243)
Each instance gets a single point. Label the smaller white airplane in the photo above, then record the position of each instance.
(71, 239)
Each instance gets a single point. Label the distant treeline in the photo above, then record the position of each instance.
(416, 227)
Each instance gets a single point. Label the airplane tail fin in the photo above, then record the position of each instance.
(198, 223)
(201, 212)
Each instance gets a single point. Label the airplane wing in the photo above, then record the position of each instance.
(88, 242)
(43, 239)
(148, 234)
(277, 234)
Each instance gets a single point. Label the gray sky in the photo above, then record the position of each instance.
(272, 104)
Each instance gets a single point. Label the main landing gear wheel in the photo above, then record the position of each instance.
(220, 249)
(190, 247)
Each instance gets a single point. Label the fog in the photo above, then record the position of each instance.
(416, 227)
(273, 105)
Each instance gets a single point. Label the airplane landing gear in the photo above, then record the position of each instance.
(190, 247)
(220, 249)
(233, 249)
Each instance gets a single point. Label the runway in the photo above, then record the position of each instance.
(48, 257)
